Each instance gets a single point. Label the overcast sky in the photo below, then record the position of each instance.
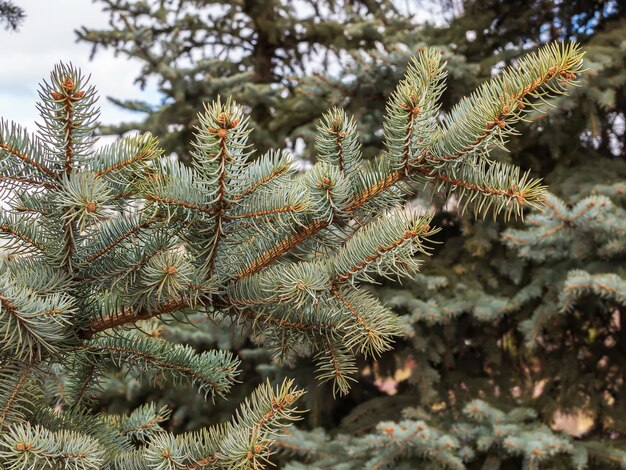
(47, 37)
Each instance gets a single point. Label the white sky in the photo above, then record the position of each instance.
(47, 37)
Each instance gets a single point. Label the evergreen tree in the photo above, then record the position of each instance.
(101, 239)
(482, 321)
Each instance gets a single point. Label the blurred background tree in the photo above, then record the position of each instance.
(11, 15)
(529, 317)
(253, 49)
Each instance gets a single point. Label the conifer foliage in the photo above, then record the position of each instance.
(101, 239)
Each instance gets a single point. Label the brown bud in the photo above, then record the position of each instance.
(165, 453)
(222, 133)
(502, 124)
(326, 183)
(91, 206)
(223, 119)
(170, 270)
(258, 448)
(78, 95)
(23, 446)
(416, 110)
(56, 96)
(68, 84)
